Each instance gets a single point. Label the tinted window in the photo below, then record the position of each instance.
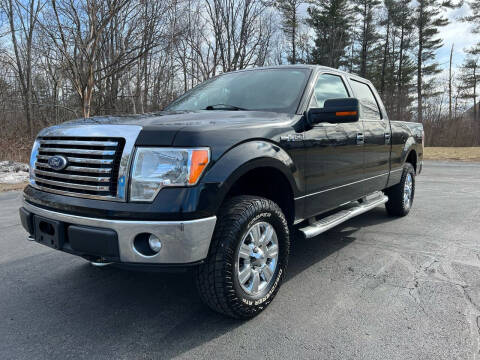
(368, 105)
(277, 90)
(328, 86)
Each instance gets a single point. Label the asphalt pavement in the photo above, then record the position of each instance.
(374, 287)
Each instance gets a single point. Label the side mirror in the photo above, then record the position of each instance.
(335, 111)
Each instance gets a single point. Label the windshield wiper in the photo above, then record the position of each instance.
(223, 107)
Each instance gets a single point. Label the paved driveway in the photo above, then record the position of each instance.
(373, 288)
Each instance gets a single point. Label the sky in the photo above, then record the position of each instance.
(457, 33)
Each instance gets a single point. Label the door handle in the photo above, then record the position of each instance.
(360, 139)
(387, 138)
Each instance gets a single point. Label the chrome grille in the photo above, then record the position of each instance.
(92, 170)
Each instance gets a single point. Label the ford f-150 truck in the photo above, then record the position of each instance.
(222, 178)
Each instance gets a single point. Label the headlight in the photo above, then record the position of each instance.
(155, 168)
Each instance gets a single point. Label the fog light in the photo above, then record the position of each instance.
(154, 243)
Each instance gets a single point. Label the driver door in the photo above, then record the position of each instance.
(335, 156)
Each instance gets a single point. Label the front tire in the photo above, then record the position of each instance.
(400, 196)
(248, 257)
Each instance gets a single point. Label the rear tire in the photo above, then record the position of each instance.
(248, 257)
(400, 196)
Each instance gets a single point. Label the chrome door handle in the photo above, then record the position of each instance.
(360, 139)
(387, 138)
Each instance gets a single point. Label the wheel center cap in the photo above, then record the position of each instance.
(259, 256)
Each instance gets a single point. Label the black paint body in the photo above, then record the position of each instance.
(324, 164)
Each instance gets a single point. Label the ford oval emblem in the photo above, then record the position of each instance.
(57, 162)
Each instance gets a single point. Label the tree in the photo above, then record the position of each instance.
(470, 79)
(78, 32)
(393, 69)
(450, 83)
(474, 19)
(290, 23)
(368, 35)
(23, 21)
(428, 21)
(332, 22)
(241, 30)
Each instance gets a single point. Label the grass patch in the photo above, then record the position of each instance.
(452, 153)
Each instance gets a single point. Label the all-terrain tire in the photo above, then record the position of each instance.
(217, 280)
(397, 204)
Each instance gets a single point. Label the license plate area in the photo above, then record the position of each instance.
(49, 232)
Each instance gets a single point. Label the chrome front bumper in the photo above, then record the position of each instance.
(182, 241)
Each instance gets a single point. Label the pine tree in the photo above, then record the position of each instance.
(474, 19)
(387, 22)
(428, 21)
(290, 24)
(331, 20)
(368, 35)
(393, 71)
(470, 80)
(404, 21)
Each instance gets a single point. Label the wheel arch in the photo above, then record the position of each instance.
(412, 158)
(274, 185)
(409, 153)
(239, 170)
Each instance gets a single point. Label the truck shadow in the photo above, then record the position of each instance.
(202, 325)
(307, 252)
(156, 314)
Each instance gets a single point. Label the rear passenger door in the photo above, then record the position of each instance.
(377, 134)
(334, 163)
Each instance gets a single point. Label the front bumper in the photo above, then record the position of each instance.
(183, 242)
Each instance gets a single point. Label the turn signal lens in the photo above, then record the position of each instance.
(345, 113)
(198, 163)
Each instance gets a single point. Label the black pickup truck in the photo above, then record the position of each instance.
(222, 178)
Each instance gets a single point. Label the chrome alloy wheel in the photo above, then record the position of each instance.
(408, 191)
(257, 258)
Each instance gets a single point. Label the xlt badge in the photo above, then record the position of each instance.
(292, 137)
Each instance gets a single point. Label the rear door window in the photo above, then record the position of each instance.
(368, 104)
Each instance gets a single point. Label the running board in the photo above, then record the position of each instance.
(319, 226)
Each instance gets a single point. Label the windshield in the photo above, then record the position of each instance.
(278, 90)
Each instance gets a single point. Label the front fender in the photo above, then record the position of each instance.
(247, 156)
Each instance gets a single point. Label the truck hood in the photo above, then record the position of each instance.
(180, 120)
(216, 129)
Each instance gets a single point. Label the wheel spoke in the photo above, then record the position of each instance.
(255, 282)
(255, 234)
(266, 236)
(272, 251)
(245, 274)
(244, 252)
(267, 273)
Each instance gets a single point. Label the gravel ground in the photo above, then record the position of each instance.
(372, 288)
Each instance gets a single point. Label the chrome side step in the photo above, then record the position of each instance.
(100, 264)
(317, 227)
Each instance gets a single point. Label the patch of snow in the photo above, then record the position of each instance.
(12, 172)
